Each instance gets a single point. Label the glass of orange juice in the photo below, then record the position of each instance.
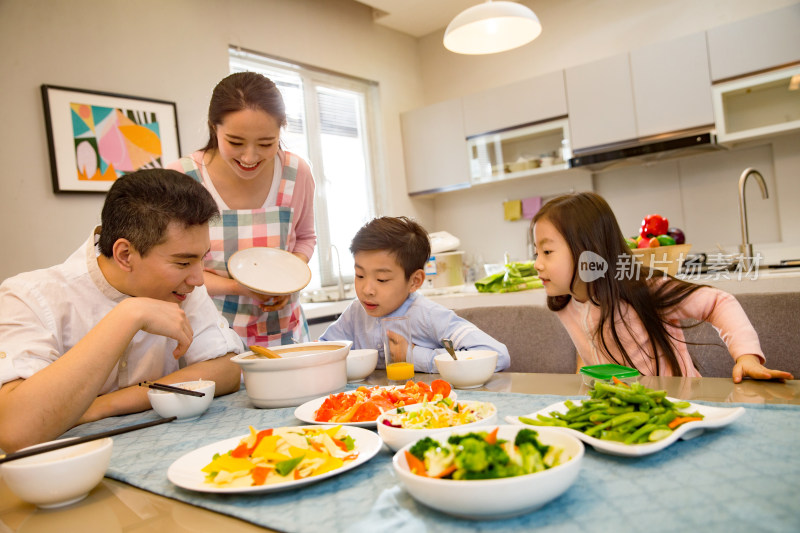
(397, 350)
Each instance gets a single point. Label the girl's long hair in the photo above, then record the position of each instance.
(588, 224)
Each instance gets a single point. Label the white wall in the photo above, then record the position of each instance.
(698, 193)
(172, 50)
(177, 50)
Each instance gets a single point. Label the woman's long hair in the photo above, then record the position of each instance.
(588, 224)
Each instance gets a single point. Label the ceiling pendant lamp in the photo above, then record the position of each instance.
(491, 27)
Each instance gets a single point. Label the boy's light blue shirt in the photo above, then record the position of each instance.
(430, 322)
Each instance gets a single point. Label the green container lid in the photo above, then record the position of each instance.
(606, 372)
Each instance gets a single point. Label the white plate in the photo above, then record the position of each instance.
(269, 270)
(305, 412)
(186, 472)
(715, 417)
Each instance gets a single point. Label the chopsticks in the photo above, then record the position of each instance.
(169, 388)
(65, 443)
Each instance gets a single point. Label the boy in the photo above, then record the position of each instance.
(390, 255)
(129, 306)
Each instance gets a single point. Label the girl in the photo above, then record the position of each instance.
(627, 315)
(265, 196)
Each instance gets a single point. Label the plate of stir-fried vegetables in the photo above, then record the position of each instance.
(274, 459)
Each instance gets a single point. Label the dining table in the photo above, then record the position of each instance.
(741, 477)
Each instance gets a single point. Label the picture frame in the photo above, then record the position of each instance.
(95, 137)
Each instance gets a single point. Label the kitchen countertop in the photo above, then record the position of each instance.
(468, 297)
(764, 280)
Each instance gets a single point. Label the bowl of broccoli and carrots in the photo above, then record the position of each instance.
(489, 472)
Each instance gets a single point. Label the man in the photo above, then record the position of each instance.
(129, 305)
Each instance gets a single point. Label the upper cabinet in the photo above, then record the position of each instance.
(435, 148)
(765, 41)
(600, 102)
(661, 88)
(524, 102)
(672, 86)
(762, 105)
(519, 152)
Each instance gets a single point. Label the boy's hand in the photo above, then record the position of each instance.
(398, 346)
(749, 365)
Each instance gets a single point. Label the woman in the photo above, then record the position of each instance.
(266, 198)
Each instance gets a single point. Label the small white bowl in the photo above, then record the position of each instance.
(304, 372)
(60, 477)
(473, 368)
(183, 406)
(495, 498)
(395, 438)
(361, 363)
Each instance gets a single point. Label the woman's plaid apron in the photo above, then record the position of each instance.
(238, 229)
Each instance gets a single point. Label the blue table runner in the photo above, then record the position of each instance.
(744, 477)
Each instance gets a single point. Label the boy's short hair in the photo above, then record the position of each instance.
(400, 236)
(140, 206)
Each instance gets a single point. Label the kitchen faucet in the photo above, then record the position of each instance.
(340, 285)
(746, 248)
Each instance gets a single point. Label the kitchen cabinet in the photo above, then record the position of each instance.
(600, 102)
(672, 86)
(519, 152)
(765, 41)
(524, 102)
(661, 88)
(758, 106)
(435, 148)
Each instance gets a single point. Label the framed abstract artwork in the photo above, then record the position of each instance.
(96, 137)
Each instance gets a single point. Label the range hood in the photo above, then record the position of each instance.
(647, 149)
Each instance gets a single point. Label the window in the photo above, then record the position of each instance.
(330, 121)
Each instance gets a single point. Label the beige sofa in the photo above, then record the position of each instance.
(537, 342)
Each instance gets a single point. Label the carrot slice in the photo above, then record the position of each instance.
(241, 451)
(682, 420)
(447, 471)
(415, 465)
(259, 475)
(617, 381)
(491, 438)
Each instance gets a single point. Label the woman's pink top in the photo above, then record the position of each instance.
(717, 307)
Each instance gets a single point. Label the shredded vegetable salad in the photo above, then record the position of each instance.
(366, 404)
(282, 454)
(439, 414)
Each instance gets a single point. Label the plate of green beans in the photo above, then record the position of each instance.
(629, 419)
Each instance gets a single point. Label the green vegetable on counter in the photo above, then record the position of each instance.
(517, 276)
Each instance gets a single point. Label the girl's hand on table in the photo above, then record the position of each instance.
(749, 365)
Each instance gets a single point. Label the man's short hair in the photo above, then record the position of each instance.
(140, 206)
(400, 236)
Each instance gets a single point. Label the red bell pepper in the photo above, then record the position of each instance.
(653, 226)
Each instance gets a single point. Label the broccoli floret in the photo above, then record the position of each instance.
(477, 459)
(471, 455)
(438, 460)
(455, 440)
(418, 450)
(531, 458)
(530, 436)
